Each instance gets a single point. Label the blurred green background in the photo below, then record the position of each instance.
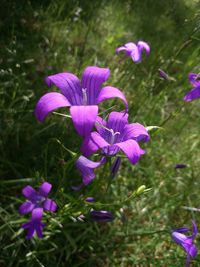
(40, 38)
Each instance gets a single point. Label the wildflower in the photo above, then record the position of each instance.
(90, 199)
(35, 224)
(116, 134)
(186, 242)
(163, 74)
(82, 96)
(115, 166)
(101, 216)
(86, 167)
(195, 92)
(135, 50)
(180, 166)
(37, 199)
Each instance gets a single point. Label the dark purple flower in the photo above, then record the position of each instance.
(163, 74)
(90, 199)
(115, 166)
(37, 199)
(186, 242)
(82, 96)
(86, 167)
(116, 134)
(35, 224)
(101, 216)
(180, 166)
(135, 50)
(195, 92)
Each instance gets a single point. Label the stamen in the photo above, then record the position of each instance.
(84, 91)
(113, 134)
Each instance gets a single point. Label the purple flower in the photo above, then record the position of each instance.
(195, 92)
(90, 199)
(101, 216)
(116, 134)
(35, 224)
(115, 166)
(37, 199)
(82, 96)
(86, 167)
(186, 242)
(163, 74)
(180, 166)
(135, 50)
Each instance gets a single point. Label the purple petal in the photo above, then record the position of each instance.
(29, 192)
(111, 92)
(84, 118)
(117, 121)
(131, 48)
(50, 205)
(86, 167)
(121, 48)
(37, 214)
(93, 143)
(38, 228)
(180, 166)
(92, 80)
(115, 166)
(192, 94)
(136, 55)
(193, 251)
(90, 199)
(136, 131)
(194, 79)
(195, 231)
(144, 46)
(100, 124)
(101, 216)
(179, 238)
(48, 103)
(131, 149)
(26, 207)
(163, 74)
(69, 85)
(44, 189)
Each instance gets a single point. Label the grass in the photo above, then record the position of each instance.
(39, 39)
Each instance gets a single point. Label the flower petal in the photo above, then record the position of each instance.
(194, 79)
(136, 131)
(92, 80)
(84, 118)
(192, 94)
(144, 46)
(117, 121)
(136, 55)
(29, 192)
(48, 103)
(111, 92)
(100, 124)
(26, 207)
(44, 189)
(101, 216)
(37, 214)
(69, 85)
(93, 143)
(50, 205)
(120, 48)
(86, 167)
(131, 149)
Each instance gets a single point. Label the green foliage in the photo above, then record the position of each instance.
(45, 37)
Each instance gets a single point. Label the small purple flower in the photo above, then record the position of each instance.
(35, 224)
(163, 74)
(186, 242)
(116, 134)
(37, 199)
(115, 166)
(180, 166)
(101, 216)
(82, 97)
(90, 199)
(195, 92)
(135, 50)
(86, 167)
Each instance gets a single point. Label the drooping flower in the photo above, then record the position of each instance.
(82, 97)
(134, 50)
(87, 167)
(195, 92)
(116, 134)
(37, 199)
(101, 216)
(186, 242)
(35, 224)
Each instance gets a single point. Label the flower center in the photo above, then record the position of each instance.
(113, 134)
(85, 98)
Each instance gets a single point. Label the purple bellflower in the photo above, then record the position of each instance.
(37, 199)
(35, 224)
(135, 50)
(86, 167)
(186, 242)
(180, 166)
(163, 74)
(116, 134)
(195, 92)
(115, 167)
(101, 216)
(82, 97)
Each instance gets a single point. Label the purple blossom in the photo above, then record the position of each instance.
(186, 242)
(115, 166)
(86, 167)
(82, 96)
(101, 216)
(90, 199)
(195, 92)
(163, 74)
(37, 199)
(135, 50)
(35, 224)
(116, 134)
(180, 166)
